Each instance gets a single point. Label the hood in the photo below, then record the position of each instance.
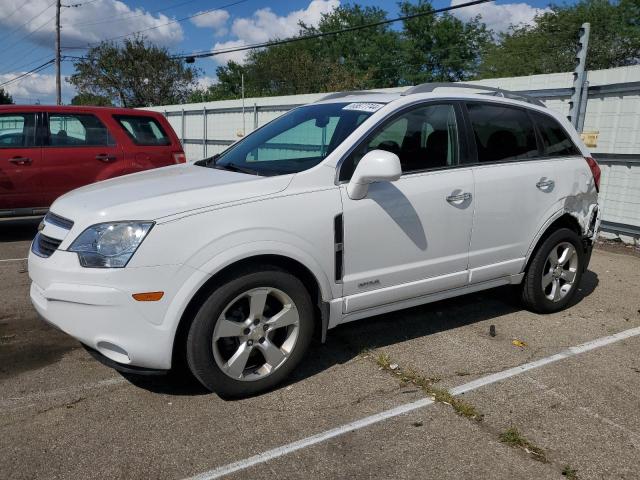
(162, 192)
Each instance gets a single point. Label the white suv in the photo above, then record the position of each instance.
(360, 204)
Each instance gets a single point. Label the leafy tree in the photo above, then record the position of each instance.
(134, 74)
(5, 97)
(370, 55)
(440, 48)
(549, 45)
(91, 99)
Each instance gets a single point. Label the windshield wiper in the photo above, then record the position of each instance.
(236, 168)
(205, 162)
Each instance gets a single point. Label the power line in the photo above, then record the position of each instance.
(178, 20)
(135, 15)
(29, 73)
(8, 34)
(326, 34)
(21, 39)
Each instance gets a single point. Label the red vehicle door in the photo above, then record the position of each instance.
(78, 150)
(20, 163)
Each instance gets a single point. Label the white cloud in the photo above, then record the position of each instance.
(216, 20)
(93, 22)
(499, 17)
(264, 25)
(205, 82)
(38, 87)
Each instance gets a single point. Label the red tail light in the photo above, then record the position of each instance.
(179, 157)
(595, 170)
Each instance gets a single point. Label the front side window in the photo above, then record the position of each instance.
(17, 130)
(77, 130)
(555, 140)
(296, 141)
(502, 133)
(143, 130)
(424, 138)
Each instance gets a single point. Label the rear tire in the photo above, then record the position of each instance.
(251, 332)
(555, 271)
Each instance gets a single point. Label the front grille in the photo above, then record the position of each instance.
(44, 246)
(58, 221)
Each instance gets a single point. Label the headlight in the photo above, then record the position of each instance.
(109, 245)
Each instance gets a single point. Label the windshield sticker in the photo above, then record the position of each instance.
(364, 107)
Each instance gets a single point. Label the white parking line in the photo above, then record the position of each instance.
(12, 259)
(402, 409)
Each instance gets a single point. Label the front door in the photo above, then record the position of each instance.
(78, 151)
(20, 166)
(410, 237)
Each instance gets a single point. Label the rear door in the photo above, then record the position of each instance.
(20, 166)
(153, 144)
(514, 189)
(79, 150)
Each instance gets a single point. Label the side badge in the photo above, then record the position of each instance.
(370, 283)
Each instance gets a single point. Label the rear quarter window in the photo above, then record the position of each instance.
(555, 139)
(143, 130)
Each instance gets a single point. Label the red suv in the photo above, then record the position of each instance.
(47, 151)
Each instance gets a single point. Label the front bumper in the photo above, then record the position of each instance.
(95, 306)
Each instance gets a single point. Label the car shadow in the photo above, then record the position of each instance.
(18, 229)
(347, 341)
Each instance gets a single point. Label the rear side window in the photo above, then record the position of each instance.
(555, 140)
(502, 133)
(77, 130)
(17, 130)
(143, 130)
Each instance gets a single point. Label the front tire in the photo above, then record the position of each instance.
(555, 271)
(251, 332)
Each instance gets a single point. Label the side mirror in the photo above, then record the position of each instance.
(375, 166)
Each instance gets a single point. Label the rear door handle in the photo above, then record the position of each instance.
(103, 157)
(20, 160)
(459, 198)
(545, 184)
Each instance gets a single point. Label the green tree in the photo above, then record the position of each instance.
(549, 44)
(134, 74)
(5, 97)
(370, 55)
(440, 48)
(91, 99)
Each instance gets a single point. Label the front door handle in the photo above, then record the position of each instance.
(103, 157)
(459, 198)
(20, 161)
(545, 184)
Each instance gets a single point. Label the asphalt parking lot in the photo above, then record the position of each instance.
(575, 415)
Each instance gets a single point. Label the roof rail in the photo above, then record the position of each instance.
(498, 92)
(348, 94)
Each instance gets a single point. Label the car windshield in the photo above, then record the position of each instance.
(296, 141)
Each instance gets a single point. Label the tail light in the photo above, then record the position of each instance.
(595, 171)
(179, 157)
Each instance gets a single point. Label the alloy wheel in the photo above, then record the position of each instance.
(560, 271)
(255, 334)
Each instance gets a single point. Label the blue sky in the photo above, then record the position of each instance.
(27, 29)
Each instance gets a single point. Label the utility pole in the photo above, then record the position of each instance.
(579, 79)
(58, 84)
(242, 88)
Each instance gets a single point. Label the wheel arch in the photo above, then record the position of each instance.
(284, 262)
(560, 220)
